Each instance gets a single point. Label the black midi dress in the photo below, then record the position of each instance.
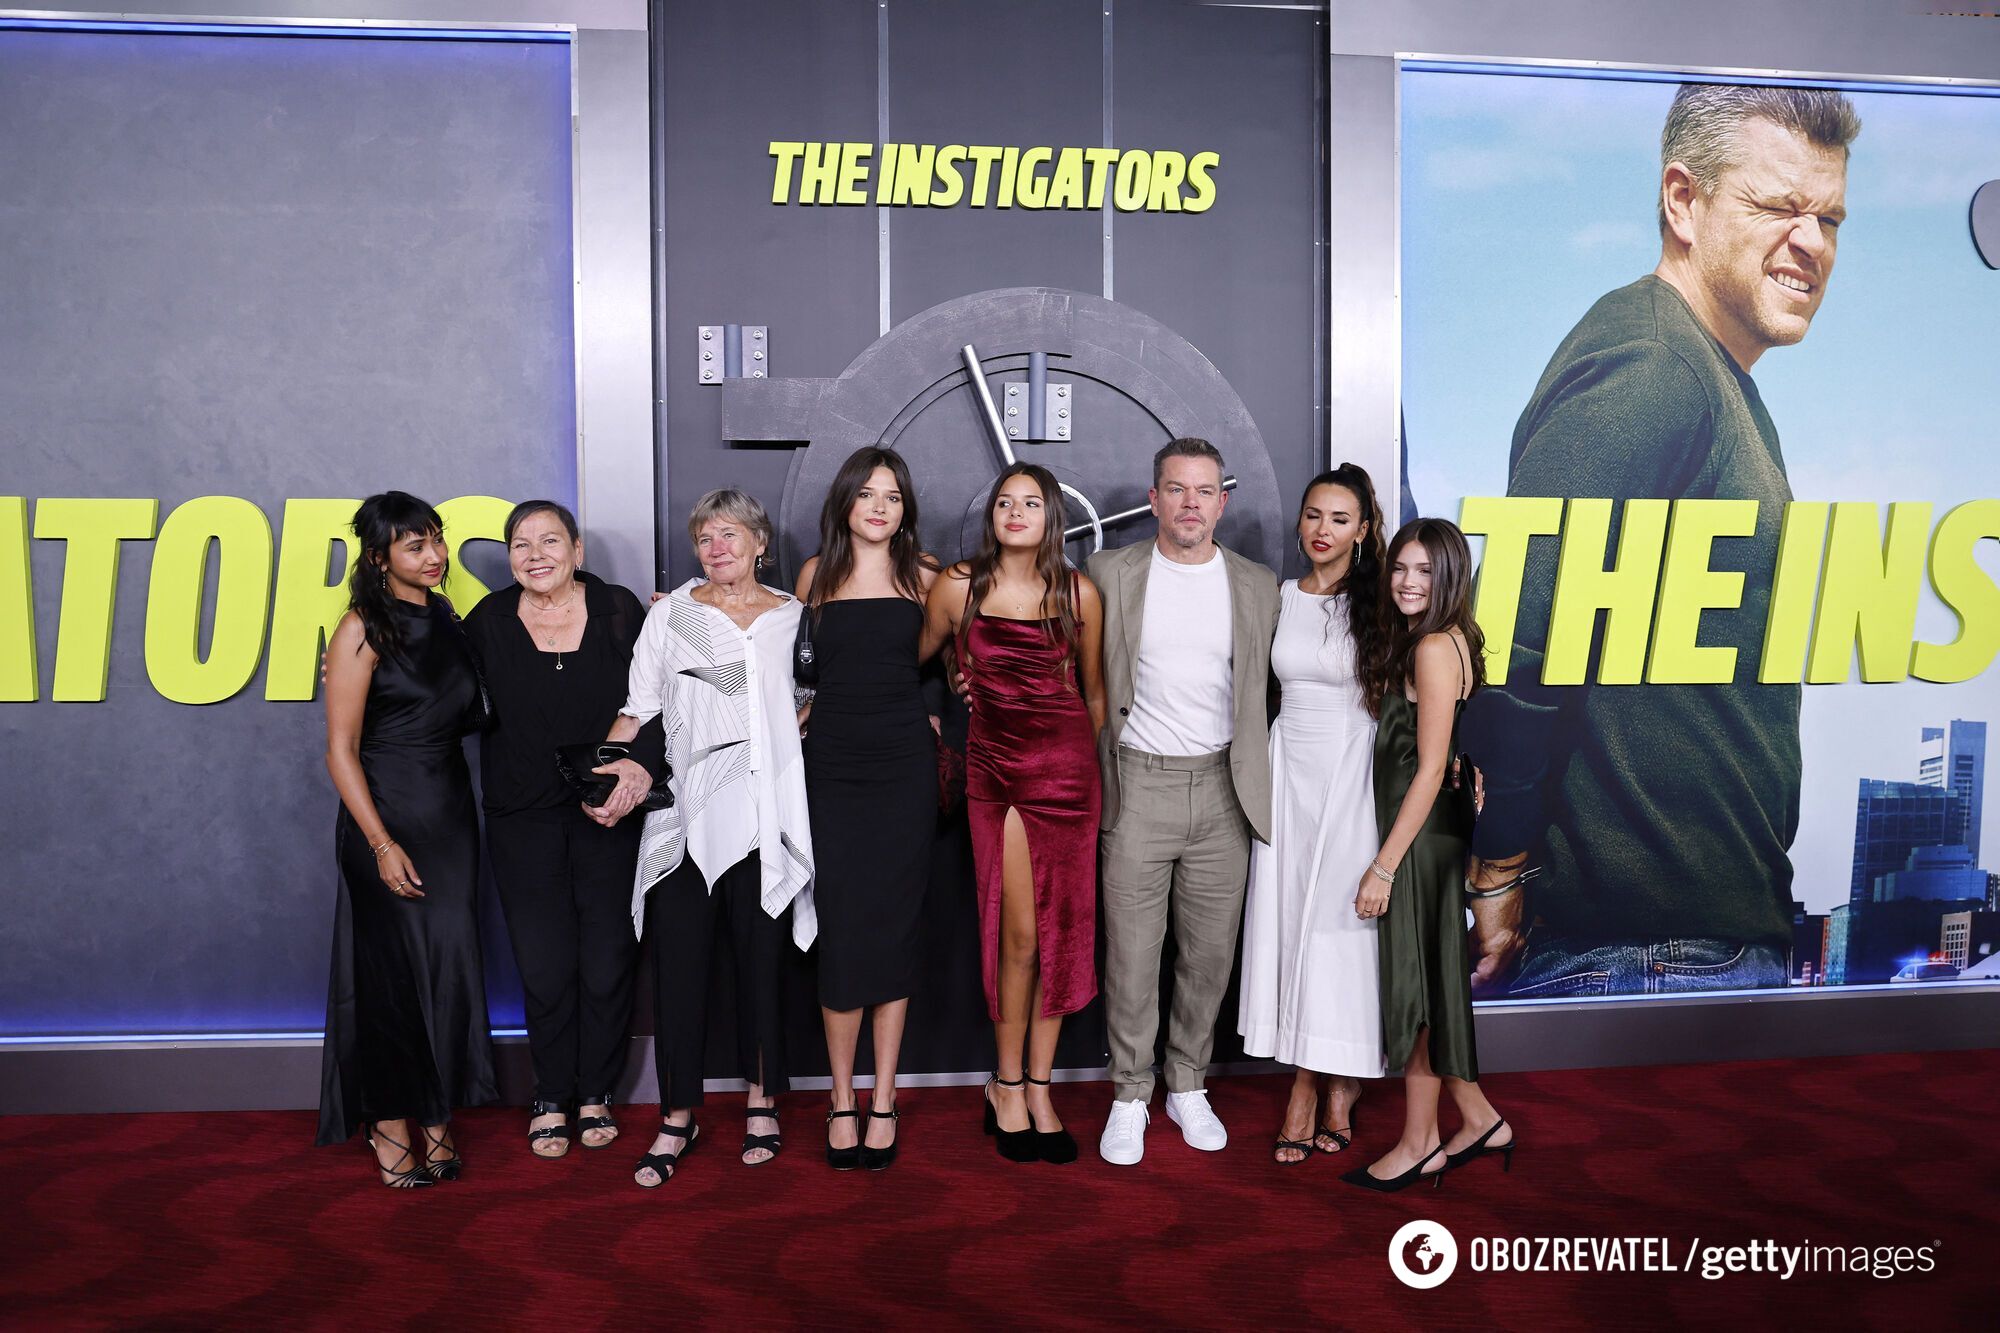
(406, 1027)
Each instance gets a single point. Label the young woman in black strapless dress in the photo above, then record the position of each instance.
(407, 1036)
(871, 782)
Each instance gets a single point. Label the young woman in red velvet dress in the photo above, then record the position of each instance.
(1026, 629)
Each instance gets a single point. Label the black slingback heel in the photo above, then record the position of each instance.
(1016, 1145)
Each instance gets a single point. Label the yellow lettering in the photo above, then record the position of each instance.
(781, 173)
(913, 174)
(18, 672)
(983, 158)
(174, 599)
(1010, 164)
(1128, 192)
(1624, 592)
(1031, 189)
(854, 159)
(1801, 544)
(948, 158)
(1507, 522)
(1066, 182)
(1101, 160)
(1868, 594)
(470, 518)
(307, 607)
(1968, 590)
(1199, 180)
(93, 530)
(1164, 195)
(1688, 587)
(818, 167)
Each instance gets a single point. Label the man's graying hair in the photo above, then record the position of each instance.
(1702, 125)
(1187, 446)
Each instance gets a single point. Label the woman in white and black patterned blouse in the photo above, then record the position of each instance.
(714, 661)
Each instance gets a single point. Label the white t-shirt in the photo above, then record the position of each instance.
(1183, 685)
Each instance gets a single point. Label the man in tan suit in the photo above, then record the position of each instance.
(1187, 783)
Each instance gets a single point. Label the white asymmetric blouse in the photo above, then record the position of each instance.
(733, 741)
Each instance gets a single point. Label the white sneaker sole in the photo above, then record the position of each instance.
(1121, 1156)
(1175, 1116)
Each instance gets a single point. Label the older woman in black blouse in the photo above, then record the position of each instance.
(557, 648)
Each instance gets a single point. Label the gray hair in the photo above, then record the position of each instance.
(737, 507)
(1187, 446)
(1702, 125)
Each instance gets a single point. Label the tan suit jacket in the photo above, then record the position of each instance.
(1121, 577)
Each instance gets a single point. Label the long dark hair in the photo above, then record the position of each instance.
(1363, 582)
(1051, 565)
(836, 543)
(381, 522)
(1450, 608)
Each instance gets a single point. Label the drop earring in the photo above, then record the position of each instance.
(385, 580)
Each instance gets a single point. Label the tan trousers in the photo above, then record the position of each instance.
(1181, 848)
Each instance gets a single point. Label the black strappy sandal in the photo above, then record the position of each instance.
(1339, 1136)
(842, 1159)
(1304, 1147)
(662, 1164)
(412, 1177)
(770, 1143)
(451, 1167)
(1052, 1145)
(536, 1110)
(880, 1159)
(586, 1123)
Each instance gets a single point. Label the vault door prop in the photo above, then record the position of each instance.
(1132, 385)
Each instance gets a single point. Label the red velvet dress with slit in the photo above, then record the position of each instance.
(1030, 748)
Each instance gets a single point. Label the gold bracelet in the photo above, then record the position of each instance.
(386, 844)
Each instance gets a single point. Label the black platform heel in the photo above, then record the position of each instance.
(413, 1177)
(451, 1167)
(842, 1159)
(1389, 1185)
(1016, 1145)
(1057, 1146)
(880, 1159)
(1477, 1148)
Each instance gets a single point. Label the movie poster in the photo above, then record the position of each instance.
(1723, 433)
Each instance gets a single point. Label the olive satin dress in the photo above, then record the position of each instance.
(406, 1027)
(1426, 981)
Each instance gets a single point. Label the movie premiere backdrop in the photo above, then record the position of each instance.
(1866, 604)
(249, 279)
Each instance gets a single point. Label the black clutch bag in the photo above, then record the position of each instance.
(805, 663)
(575, 763)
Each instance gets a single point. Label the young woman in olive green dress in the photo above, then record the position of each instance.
(1414, 885)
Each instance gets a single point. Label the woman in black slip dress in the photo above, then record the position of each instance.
(871, 782)
(407, 1036)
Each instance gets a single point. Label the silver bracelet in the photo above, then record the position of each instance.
(1385, 876)
(1501, 890)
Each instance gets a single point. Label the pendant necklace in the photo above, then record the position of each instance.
(550, 641)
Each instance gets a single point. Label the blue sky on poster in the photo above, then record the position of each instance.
(1525, 199)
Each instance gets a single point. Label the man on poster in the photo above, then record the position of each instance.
(1662, 815)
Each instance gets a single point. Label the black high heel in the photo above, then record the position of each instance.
(1478, 1148)
(843, 1159)
(1390, 1184)
(1016, 1145)
(451, 1167)
(411, 1178)
(1057, 1146)
(879, 1159)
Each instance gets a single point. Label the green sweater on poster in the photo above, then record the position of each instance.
(1656, 810)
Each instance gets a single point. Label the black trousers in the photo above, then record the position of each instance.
(687, 924)
(566, 889)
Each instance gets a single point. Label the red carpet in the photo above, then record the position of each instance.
(234, 1220)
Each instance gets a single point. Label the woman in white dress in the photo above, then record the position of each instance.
(1310, 993)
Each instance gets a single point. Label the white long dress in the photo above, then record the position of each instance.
(1310, 971)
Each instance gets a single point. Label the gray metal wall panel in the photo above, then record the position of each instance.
(1021, 74)
(1236, 281)
(733, 78)
(224, 262)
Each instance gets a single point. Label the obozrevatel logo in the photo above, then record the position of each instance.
(1422, 1254)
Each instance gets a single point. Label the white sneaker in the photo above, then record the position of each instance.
(1123, 1142)
(1198, 1124)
